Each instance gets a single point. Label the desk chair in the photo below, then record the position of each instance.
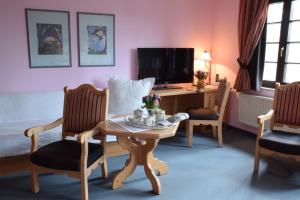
(210, 116)
(84, 108)
(283, 137)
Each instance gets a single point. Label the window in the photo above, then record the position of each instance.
(282, 43)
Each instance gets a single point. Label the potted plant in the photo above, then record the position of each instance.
(201, 76)
(151, 103)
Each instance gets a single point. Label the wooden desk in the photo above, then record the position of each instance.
(177, 100)
(141, 146)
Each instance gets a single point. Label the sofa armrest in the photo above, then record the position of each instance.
(37, 129)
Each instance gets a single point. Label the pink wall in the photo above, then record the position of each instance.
(139, 23)
(225, 49)
(225, 43)
(202, 24)
(225, 52)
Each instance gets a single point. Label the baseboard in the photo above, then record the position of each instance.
(251, 134)
(13, 164)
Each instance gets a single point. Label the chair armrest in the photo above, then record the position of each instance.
(81, 138)
(32, 132)
(37, 129)
(261, 123)
(262, 118)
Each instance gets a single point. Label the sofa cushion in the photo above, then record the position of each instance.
(14, 142)
(202, 114)
(29, 106)
(65, 155)
(280, 141)
(23, 110)
(126, 95)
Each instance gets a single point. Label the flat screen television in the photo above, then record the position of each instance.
(167, 65)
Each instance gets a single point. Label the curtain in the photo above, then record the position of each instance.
(252, 17)
(256, 65)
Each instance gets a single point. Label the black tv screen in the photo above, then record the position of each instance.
(167, 65)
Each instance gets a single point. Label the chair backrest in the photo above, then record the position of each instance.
(84, 108)
(286, 106)
(222, 96)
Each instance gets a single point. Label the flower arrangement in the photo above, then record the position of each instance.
(201, 75)
(151, 101)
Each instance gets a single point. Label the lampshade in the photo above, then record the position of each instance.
(197, 62)
(205, 56)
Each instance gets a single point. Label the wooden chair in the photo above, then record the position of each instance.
(283, 137)
(210, 116)
(84, 108)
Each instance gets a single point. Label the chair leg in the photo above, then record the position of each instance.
(220, 138)
(187, 128)
(214, 131)
(84, 186)
(190, 133)
(104, 169)
(35, 185)
(257, 159)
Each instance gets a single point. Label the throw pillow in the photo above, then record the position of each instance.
(126, 95)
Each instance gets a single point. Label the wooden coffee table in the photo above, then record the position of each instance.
(141, 146)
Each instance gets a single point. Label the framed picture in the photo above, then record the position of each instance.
(48, 36)
(96, 39)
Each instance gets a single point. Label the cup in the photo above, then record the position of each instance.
(149, 121)
(160, 116)
(137, 120)
(138, 112)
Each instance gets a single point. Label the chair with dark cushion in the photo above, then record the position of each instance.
(84, 108)
(283, 137)
(210, 116)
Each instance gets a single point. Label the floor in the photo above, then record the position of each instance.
(202, 172)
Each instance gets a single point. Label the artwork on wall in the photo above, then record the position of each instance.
(96, 39)
(48, 34)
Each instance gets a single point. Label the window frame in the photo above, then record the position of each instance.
(283, 42)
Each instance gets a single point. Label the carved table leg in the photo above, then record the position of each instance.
(147, 159)
(160, 166)
(130, 164)
(141, 153)
(153, 178)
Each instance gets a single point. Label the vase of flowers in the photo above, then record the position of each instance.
(201, 76)
(151, 103)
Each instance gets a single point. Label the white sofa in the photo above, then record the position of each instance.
(22, 110)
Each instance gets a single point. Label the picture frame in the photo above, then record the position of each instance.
(96, 39)
(48, 37)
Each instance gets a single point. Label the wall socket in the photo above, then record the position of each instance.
(217, 77)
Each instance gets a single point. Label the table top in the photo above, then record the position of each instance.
(185, 90)
(111, 128)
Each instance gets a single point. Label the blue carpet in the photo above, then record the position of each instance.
(201, 172)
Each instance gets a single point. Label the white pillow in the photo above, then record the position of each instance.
(126, 95)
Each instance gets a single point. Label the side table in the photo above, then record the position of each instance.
(141, 146)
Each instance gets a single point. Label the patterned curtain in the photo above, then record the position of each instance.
(252, 17)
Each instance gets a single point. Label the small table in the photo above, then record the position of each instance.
(141, 146)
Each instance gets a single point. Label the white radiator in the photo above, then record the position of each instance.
(251, 106)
